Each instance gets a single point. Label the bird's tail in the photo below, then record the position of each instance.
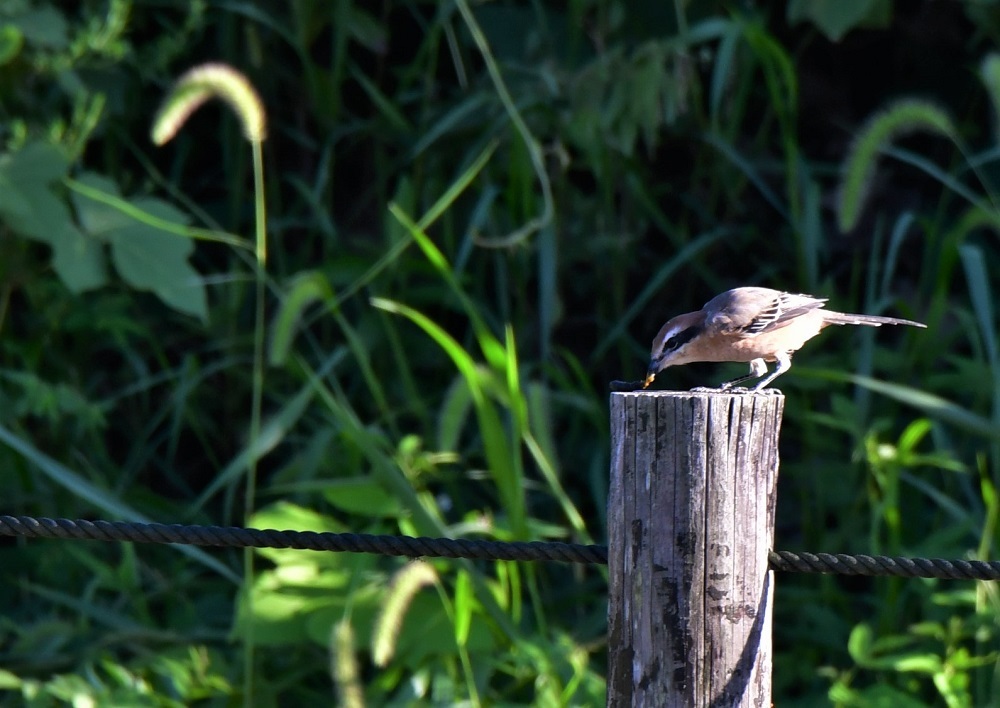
(845, 318)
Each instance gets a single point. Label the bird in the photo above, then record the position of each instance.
(750, 324)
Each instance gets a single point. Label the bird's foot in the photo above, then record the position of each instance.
(739, 390)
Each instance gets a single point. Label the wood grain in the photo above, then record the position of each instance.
(690, 523)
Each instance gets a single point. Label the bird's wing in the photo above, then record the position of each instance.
(756, 318)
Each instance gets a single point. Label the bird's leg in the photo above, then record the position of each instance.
(757, 369)
(784, 360)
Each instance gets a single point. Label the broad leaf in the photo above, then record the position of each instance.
(30, 208)
(147, 258)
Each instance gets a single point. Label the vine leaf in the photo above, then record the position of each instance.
(147, 258)
(31, 208)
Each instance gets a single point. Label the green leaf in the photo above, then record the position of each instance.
(977, 274)
(278, 618)
(286, 515)
(387, 109)
(835, 18)
(362, 496)
(44, 27)
(859, 645)
(275, 430)
(453, 414)
(878, 696)
(462, 360)
(990, 74)
(929, 403)
(504, 467)
(367, 30)
(30, 207)
(641, 302)
(304, 289)
(464, 602)
(11, 43)
(147, 258)
(82, 488)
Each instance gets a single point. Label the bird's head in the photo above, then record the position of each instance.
(672, 344)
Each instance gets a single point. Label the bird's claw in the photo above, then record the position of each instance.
(768, 391)
(739, 390)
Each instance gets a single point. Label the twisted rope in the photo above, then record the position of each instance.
(237, 537)
(845, 564)
(413, 547)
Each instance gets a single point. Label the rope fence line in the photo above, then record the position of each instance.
(415, 547)
(238, 537)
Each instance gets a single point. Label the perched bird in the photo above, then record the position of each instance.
(749, 324)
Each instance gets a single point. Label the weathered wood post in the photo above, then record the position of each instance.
(690, 523)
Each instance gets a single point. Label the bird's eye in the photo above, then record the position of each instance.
(678, 339)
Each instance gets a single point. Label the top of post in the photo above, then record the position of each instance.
(702, 393)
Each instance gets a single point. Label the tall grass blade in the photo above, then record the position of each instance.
(751, 172)
(652, 288)
(504, 467)
(85, 490)
(457, 187)
(982, 300)
(928, 403)
(534, 149)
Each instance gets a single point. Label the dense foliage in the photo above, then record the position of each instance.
(477, 215)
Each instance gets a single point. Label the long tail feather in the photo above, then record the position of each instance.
(846, 318)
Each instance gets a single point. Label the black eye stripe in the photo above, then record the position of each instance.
(677, 340)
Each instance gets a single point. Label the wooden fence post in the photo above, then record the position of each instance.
(690, 523)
